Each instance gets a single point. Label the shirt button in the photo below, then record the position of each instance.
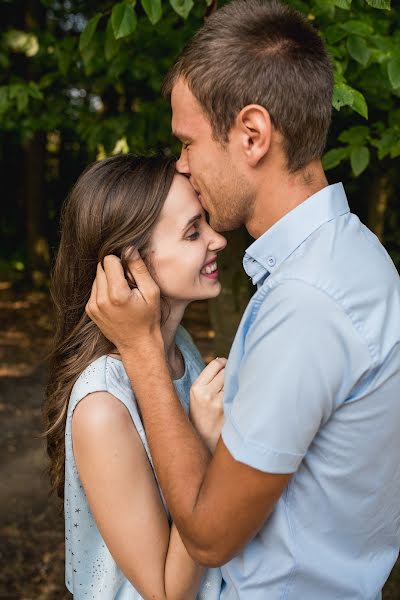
(271, 261)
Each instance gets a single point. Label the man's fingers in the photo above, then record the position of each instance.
(142, 277)
(117, 286)
(91, 304)
(210, 371)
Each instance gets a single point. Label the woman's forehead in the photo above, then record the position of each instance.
(182, 202)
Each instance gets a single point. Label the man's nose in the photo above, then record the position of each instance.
(182, 165)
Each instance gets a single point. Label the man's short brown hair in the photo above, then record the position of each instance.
(261, 52)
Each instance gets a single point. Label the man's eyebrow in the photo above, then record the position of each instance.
(192, 220)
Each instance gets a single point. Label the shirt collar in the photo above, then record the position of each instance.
(275, 245)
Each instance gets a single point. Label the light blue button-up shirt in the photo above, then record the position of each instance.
(313, 388)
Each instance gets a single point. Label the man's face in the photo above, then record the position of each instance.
(214, 170)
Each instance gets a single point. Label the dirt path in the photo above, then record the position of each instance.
(31, 529)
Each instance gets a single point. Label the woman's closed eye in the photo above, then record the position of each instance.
(193, 233)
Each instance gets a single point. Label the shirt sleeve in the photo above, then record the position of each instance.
(301, 358)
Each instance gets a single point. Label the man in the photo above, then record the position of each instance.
(300, 500)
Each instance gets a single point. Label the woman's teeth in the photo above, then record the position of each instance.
(209, 268)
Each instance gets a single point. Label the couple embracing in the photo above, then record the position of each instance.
(275, 474)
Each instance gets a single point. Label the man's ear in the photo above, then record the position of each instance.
(255, 129)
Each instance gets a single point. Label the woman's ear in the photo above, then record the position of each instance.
(255, 128)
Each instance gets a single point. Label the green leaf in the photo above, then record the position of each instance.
(359, 159)
(34, 91)
(182, 7)
(4, 103)
(382, 4)
(346, 4)
(334, 157)
(393, 70)
(123, 20)
(153, 10)
(357, 27)
(334, 33)
(111, 45)
(360, 104)
(344, 95)
(358, 49)
(386, 143)
(88, 32)
(355, 136)
(22, 98)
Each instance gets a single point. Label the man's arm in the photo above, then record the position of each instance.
(217, 503)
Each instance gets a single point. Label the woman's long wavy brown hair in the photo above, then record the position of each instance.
(112, 209)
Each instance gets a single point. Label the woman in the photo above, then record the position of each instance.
(120, 543)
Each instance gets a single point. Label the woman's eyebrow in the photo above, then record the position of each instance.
(192, 220)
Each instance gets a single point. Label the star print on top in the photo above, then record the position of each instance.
(91, 573)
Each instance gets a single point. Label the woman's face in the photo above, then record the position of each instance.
(183, 248)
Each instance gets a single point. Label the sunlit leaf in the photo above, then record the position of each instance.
(344, 95)
(21, 41)
(123, 19)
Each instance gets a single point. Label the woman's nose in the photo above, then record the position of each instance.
(217, 242)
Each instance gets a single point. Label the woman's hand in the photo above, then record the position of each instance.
(206, 402)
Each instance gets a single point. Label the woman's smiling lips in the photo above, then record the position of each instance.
(210, 269)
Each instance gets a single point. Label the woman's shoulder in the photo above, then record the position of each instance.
(104, 374)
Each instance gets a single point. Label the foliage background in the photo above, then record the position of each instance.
(81, 79)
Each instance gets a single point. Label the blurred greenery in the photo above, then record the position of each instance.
(82, 80)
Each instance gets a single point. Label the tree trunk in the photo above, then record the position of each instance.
(35, 213)
(378, 199)
(227, 309)
(35, 156)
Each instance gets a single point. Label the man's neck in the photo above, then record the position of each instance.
(280, 192)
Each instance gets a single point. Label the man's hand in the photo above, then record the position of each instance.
(128, 317)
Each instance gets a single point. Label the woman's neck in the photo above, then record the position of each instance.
(168, 332)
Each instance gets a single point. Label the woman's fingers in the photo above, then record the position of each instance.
(210, 371)
(144, 281)
(217, 383)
